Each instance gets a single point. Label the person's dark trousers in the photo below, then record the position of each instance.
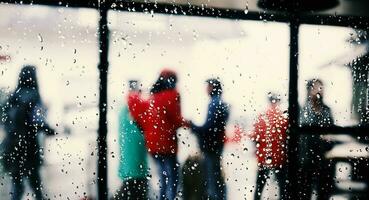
(215, 186)
(310, 179)
(262, 176)
(132, 189)
(168, 175)
(18, 179)
(305, 184)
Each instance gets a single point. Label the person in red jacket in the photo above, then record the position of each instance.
(270, 137)
(159, 117)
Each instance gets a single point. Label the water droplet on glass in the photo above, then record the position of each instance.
(39, 36)
(268, 160)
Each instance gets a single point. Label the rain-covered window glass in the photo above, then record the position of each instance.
(192, 100)
(333, 91)
(48, 90)
(338, 57)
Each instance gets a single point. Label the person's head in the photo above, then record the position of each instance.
(134, 85)
(214, 87)
(315, 89)
(167, 80)
(274, 98)
(28, 78)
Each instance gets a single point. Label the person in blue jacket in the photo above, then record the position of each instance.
(211, 136)
(133, 169)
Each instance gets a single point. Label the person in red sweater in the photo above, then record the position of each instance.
(270, 137)
(159, 117)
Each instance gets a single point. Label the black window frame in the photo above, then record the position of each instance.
(294, 19)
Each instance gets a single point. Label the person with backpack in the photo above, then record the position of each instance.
(270, 138)
(211, 136)
(160, 117)
(24, 121)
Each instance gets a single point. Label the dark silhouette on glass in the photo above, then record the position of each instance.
(313, 166)
(24, 121)
(211, 136)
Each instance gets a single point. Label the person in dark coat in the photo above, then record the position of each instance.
(313, 167)
(21, 151)
(211, 136)
(160, 117)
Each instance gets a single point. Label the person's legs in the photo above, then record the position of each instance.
(325, 182)
(162, 185)
(261, 177)
(123, 192)
(17, 186)
(35, 183)
(210, 180)
(171, 169)
(131, 190)
(215, 188)
(139, 189)
(305, 184)
(220, 183)
(280, 174)
(168, 175)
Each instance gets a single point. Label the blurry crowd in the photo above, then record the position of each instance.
(148, 125)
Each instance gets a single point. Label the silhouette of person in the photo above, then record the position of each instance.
(313, 167)
(270, 137)
(211, 136)
(25, 119)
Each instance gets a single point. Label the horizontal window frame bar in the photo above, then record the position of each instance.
(358, 22)
(334, 130)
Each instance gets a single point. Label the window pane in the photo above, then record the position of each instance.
(61, 43)
(338, 57)
(333, 90)
(250, 58)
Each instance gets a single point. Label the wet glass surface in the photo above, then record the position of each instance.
(61, 43)
(250, 58)
(232, 79)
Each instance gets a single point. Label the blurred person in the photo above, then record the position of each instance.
(270, 137)
(313, 166)
(133, 169)
(25, 120)
(193, 178)
(160, 116)
(211, 136)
